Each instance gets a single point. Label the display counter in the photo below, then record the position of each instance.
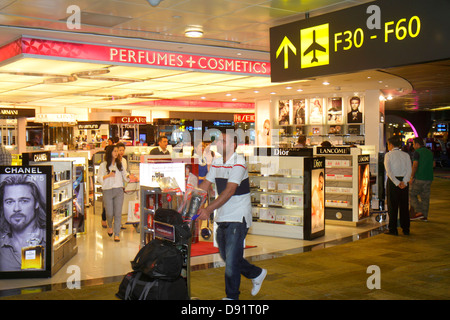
(347, 181)
(287, 193)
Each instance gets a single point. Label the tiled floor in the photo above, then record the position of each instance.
(101, 260)
(413, 267)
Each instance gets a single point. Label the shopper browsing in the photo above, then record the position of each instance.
(233, 217)
(398, 169)
(111, 175)
(421, 179)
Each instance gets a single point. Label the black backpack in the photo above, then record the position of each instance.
(159, 259)
(137, 286)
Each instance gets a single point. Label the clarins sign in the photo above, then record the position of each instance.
(129, 120)
(136, 56)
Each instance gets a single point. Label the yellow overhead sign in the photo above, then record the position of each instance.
(285, 45)
(315, 46)
(375, 35)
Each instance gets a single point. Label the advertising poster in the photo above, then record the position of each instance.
(363, 187)
(25, 221)
(355, 111)
(316, 111)
(299, 111)
(283, 112)
(314, 213)
(79, 216)
(317, 200)
(334, 111)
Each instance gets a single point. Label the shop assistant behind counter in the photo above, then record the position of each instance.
(161, 150)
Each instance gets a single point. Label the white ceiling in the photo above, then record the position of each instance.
(232, 28)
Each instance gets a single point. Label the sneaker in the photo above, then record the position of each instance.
(424, 219)
(417, 216)
(257, 282)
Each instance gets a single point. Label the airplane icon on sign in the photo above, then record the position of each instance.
(314, 47)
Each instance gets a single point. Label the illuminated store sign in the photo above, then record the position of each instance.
(244, 117)
(129, 120)
(135, 56)
(58, 117)
(16, 113)
(378, 34)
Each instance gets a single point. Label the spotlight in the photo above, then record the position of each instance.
(194, 32)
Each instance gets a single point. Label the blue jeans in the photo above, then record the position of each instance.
(230, 238)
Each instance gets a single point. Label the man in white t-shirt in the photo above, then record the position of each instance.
(233, 217)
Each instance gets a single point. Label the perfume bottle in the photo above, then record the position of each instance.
(33, 255)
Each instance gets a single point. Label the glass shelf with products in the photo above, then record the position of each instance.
(64, 245)
(280, 190)
(345, 171)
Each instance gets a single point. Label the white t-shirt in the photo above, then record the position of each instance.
(239, 205)
(112, 182)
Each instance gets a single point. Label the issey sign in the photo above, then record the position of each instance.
(378, 34)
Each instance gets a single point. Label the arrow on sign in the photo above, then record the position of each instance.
(285, 45)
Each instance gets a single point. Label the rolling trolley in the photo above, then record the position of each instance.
(180, 236)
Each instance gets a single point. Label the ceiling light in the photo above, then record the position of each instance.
(273, 93)
(154, 3)
(256, 91)
(325, 83)
(299, 90)
(288, 88)
(194, 32)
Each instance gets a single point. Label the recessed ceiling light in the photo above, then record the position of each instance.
(194, 32)
(256, 91)
(299, 90)
(234, 99)
(288, 88)
(273, 93)
(325, 83)
(228, 94)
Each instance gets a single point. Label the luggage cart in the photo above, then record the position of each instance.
(151, 200)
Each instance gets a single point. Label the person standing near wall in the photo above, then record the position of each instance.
(421, 179)
(398, 170)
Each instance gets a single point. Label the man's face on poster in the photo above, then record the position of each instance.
(19, 206)
(354, 104)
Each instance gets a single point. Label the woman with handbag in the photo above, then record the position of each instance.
(112, 177)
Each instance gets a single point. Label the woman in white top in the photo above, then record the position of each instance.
(112, 176)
